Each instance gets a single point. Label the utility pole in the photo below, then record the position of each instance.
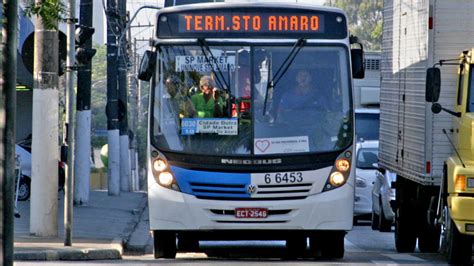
(45, 156)
(70, 95)
(132, 81)
(8, 128)
(123, 102)
(83, 141)
(113, 173)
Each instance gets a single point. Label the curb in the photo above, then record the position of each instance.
(132, 226)
(113, 253)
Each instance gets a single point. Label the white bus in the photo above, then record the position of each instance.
(274, 162)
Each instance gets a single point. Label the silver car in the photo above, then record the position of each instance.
(383, 201)
(366, 166)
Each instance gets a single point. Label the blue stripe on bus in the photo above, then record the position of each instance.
(212, 184)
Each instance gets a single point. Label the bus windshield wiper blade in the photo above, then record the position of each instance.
(282, 69)
(202, 42)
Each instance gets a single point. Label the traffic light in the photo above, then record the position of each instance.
(83, 53)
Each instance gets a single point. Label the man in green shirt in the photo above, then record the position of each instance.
(207, 103)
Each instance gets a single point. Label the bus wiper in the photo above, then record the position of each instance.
(282, 69)
(202, 42)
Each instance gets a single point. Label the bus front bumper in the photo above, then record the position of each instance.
(172, 210)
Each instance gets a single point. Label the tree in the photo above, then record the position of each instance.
(365, 20)
(99, 95)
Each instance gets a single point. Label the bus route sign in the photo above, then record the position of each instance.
(251, 23)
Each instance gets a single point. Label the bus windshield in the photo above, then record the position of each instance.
(252, 100)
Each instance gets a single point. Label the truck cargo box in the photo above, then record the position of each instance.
(416, 35)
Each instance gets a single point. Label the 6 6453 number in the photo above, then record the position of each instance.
(278, 178)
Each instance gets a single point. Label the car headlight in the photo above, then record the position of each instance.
(361, 182)
(162, 173)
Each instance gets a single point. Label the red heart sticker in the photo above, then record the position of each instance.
(262, 145)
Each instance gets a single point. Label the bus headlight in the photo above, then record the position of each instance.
(165, 179)
(162, 174)
(343, 165)
(340, 171)
(337, 179)
(159, 165)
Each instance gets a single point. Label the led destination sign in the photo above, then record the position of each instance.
(249, 23)
(252, 23)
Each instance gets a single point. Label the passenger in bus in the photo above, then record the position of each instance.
(180, 102)
(207, 103)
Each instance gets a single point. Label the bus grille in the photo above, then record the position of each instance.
(217, 191)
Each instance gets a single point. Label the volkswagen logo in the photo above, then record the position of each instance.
(251, 189)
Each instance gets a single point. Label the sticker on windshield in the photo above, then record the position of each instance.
(281, 145)
(221, 126)
(189, 63)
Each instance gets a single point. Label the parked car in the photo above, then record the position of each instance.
(366, 166)
(24, 189)
(383, 201)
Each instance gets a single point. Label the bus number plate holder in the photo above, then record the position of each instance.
(257, 213)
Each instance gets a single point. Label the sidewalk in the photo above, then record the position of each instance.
(101, 229)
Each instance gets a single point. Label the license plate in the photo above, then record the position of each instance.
(470, 182)
(251, 212)
(283, 178)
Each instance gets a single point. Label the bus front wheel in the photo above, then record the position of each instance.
(164, 244)
(327, 244)
(296, 246)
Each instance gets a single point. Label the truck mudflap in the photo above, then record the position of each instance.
(462, 212)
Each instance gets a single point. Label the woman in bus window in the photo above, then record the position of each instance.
(207, 102)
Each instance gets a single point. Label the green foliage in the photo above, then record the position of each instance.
(99, 63)
(50, 11)
(99, 94)
(365, 20)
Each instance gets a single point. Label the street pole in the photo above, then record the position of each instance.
(83, 141)
(45, 155)
(70, 95)
(8, 127)
(133, 113)
(123, 100)
(113, 138)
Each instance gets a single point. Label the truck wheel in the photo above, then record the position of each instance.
(296, 246)
(164, 244)
(457, 247)
(329, 244)
(428, 240)
(384, 224)
(405, 237)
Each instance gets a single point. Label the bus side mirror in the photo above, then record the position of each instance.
(147, 66)
(433, 84)
(357, 58)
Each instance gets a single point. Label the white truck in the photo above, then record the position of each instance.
(416, 35)
(366, 98)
